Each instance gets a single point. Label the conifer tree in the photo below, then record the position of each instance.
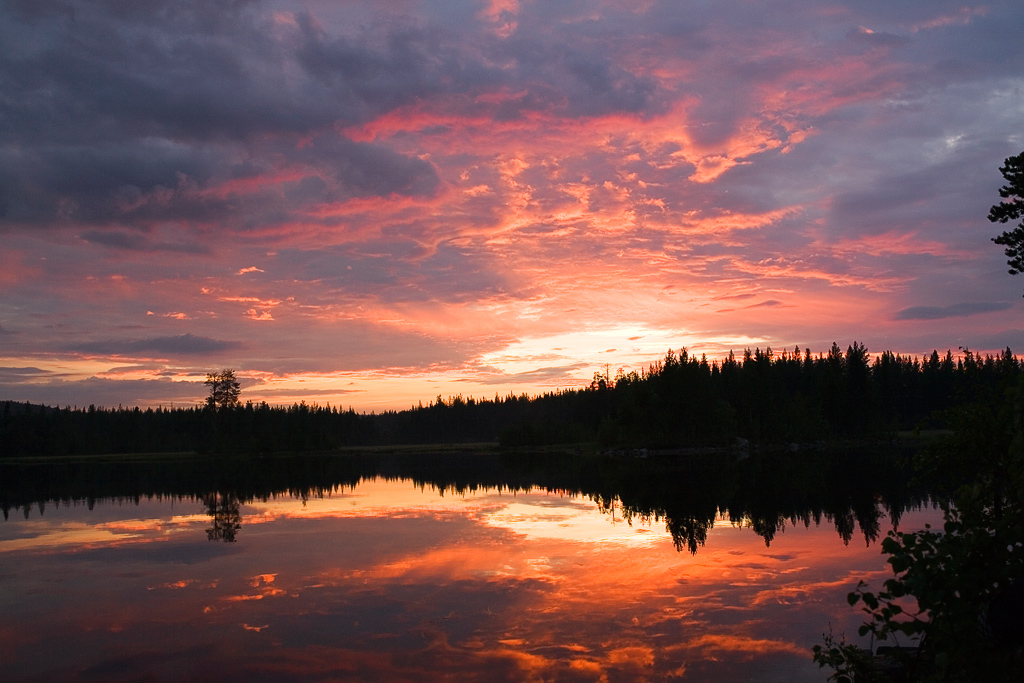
(1013, 209)
(224, 389)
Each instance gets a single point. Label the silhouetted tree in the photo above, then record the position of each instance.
(1013, 240)
(224, 389)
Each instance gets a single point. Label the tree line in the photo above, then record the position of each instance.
(765, 397)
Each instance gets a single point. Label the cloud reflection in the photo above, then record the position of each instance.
(38, 534)
(402, 582)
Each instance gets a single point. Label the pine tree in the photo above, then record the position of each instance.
(224, 389)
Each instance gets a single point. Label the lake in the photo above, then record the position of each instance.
(429, 567)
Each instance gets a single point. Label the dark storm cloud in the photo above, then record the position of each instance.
(953, 311)
(179, 345)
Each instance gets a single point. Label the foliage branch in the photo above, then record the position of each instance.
(1005, 211)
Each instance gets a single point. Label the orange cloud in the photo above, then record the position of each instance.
(253, 314)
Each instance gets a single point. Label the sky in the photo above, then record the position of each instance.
(371, 204)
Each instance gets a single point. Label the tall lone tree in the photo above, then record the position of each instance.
(224, 389)
(1011, 209)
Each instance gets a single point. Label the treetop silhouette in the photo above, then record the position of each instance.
(1005, 211)
(224, 389)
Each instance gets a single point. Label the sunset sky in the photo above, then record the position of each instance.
(375, 203)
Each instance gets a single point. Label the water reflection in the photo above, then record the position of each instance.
(392, 571)
(225, 516)
(852, 491)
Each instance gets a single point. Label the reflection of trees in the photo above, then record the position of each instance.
(851, 490)
(225, 516)
(689, 532)
(766, 492)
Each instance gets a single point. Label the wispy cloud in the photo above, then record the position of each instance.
(770, 303)
(16, 374)
(952, 311)
(539, 377)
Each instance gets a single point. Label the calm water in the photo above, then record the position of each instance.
(393, 578)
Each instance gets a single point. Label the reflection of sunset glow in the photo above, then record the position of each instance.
(373, 498)
(578, 523)
(69, 535)
(123, 531)
(487, 584)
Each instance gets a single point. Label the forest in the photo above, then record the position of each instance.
(682, 401)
